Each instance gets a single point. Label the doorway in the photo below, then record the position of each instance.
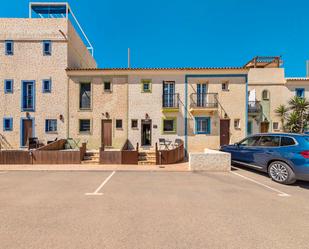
(224, 131)
(106, 133)
(27, 131)
(264, 127)
(146, 132)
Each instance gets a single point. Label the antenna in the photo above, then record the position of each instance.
(129, 58)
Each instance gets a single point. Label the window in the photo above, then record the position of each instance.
(47, 47)
(250, 141)
(169, 125)
(202, 125)
(85, 96)
(237, 123)
(275, 126)
(107, 86)
(51, 125)
(146, 86)
(287, 141)
(84, 125)
(9, 48)
(7, 124)
(269, 141)
(8, 86)
(265, 95)
(46, 86)
(28, 95)
(300, 92)
(134, 123)
(225, 86)
(118, 123)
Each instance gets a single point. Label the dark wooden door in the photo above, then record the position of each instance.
(27, 131)
(146, 132)
(264, 127)
(106, 133)
(224, 131)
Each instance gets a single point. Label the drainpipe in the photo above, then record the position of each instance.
(186, 116)
(246, 109)
(68, 109)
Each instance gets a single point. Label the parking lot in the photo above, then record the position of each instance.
(97, 209)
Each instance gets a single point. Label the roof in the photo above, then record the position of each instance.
(298, 79)
(152, 68)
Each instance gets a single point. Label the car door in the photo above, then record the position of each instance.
(243, 151)
(266, 149)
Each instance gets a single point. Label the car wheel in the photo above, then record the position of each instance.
(281, 172)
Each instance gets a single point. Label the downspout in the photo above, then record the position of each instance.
(186, 116)
(68, 108)
(246, 108)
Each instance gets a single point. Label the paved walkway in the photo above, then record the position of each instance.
(107, 167)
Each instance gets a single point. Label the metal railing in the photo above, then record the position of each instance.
(254, 107)
(204, 100)
(170, 100)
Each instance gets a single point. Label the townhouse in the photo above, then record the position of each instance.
(34, 53)
(53, 89)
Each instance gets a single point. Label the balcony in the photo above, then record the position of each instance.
(203, 103)
(170, 102)
(254, 107)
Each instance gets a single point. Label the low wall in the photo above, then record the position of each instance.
(15, 157)
(118, 157)
(170, 156)
(55, 157)
(210, 160)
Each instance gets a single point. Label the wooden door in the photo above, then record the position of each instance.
(264, 127)
(224, 131)
(106, 133)
(27, 131)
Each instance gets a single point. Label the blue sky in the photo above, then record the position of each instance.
(190, 33)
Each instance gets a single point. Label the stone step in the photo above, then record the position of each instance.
(90, 162)
(146, 162)
(146, 158)
(86, 157)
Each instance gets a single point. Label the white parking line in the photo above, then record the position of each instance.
(96, 192)
(280, 193)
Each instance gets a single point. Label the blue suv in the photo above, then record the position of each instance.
(284, 156)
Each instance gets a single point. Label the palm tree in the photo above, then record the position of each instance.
(282, 112)
(300, 106)
(293, 122)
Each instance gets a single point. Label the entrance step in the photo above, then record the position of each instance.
(91, 157)
(147, 158)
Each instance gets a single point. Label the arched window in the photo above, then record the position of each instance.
(265, 95)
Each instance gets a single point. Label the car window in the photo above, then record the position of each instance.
(269, 141)
(287, 141)
(250, 141)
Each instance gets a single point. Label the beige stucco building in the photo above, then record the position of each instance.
(53, 89)
(34, 53)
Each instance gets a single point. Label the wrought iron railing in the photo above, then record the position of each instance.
(254, 107)
(204, 100)
(170, 100)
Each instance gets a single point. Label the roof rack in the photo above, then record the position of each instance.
(57, 10)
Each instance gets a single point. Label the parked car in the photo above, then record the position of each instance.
(284, 156)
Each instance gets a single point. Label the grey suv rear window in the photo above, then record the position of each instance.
(287, 141)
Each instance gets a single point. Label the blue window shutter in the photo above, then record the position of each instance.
(208, 125)
(46, 125)
(7, 124)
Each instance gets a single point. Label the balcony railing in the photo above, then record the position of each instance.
(170, 100)
(204, 100)
(254, 107)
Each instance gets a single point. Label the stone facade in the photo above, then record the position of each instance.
(27, 63)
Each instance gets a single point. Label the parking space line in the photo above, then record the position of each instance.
(96, 192)
(280, 193)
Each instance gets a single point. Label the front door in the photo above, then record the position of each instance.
(106, 133)
(201, 94)
(224, 131)
(146, 132)
(168, 93)
(264, 127)
(27, 131)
